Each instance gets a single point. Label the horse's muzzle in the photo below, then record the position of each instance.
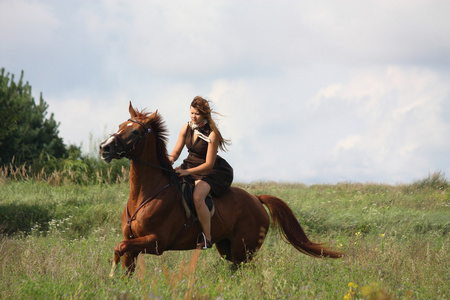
(108, 150)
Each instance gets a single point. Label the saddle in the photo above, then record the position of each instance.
(187, 186)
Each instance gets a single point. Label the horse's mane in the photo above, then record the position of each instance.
(161, 133)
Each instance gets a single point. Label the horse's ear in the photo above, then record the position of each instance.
(132, 111)
(154, 114)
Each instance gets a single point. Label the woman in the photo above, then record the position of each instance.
(210, 171)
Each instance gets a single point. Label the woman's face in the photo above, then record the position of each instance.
(196, 117)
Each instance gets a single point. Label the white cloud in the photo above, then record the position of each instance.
(387, 118)
(243, 114)
(25, 24)
(83, 118)
(347, 143)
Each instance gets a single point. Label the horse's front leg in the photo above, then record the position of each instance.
(148, 244)
(128, 263)
(131, 248)
(115, 264)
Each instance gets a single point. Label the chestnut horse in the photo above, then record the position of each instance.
(154, 221)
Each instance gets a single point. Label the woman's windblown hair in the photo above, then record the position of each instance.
(202, 105)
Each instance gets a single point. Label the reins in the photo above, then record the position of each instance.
(152, 165)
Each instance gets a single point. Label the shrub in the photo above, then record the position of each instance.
(435, 181)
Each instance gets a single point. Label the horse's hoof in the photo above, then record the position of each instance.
(115, 265)
(113, 270)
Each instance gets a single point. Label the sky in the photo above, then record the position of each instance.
(310, 91)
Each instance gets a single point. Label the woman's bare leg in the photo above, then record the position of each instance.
(202, 189)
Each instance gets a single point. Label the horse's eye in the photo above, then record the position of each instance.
(136, 132)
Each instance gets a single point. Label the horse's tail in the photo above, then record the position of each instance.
(289, 226)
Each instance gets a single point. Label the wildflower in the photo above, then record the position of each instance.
(351, 293)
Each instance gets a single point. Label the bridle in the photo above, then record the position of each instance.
(132, 146)
(127, 149)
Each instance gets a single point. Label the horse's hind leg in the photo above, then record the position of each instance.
(224, 248)
(234, 252)
(245, 245)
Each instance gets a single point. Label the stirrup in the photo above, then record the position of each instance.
(205, 244)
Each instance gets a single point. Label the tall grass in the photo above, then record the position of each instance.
(57, 242)
(85, 171)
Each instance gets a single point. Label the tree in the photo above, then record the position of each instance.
(25, 132)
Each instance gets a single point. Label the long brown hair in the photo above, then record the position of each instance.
(202, 105)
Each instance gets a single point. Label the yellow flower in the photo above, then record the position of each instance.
(351, 291)
(352, 285)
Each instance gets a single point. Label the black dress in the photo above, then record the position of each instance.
(220, 176)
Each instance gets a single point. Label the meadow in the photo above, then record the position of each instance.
(57, 240)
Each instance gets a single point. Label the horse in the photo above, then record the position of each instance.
(154, 219)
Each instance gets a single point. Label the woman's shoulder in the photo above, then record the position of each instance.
(184, 129)
(185, 126)
(213, 137)
(212, 134)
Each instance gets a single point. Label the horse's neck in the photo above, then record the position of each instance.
(145, 180)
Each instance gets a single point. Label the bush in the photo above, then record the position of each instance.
(435, 181)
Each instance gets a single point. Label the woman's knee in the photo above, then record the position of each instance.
(201, 190)
(198, 201)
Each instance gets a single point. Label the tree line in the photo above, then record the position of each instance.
(30, 137)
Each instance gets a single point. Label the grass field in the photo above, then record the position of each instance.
(57, 241)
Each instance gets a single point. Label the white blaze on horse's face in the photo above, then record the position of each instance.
(128, 125)
(105, 154)
(109, 141)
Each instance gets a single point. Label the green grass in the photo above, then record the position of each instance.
(58, 241)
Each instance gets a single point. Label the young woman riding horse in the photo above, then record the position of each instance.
(154, 221)
(210, 171)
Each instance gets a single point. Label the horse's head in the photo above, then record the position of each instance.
(129, 138)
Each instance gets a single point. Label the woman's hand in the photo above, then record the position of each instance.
(182, 172)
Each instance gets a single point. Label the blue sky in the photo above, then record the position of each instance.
(312, 91)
